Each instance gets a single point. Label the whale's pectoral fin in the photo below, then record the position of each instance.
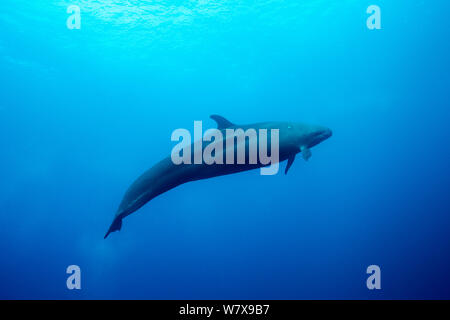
(290, 162)
(306, 153)
(222, 123)
(116, 225)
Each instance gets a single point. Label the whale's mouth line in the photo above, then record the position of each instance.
(320, 137)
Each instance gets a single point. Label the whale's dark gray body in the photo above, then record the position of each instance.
(165, 175)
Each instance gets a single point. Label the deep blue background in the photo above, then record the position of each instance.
(84, 112)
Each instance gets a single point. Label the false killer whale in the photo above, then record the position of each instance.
(165, 175)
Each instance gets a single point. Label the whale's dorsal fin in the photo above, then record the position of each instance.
(222, 123)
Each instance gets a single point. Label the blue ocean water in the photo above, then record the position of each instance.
(84, 112)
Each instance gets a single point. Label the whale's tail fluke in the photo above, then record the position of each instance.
(116, 225)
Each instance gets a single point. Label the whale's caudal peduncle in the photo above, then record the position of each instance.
(228, 149)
